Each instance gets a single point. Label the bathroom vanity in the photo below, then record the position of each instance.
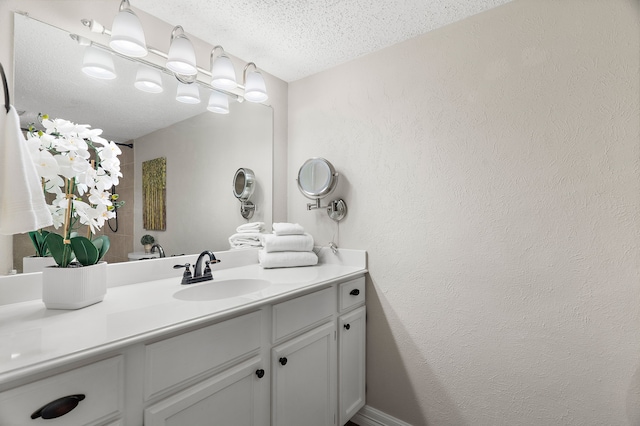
(271, 347)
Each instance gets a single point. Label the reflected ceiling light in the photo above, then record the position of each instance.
(223, 75)
(148, 79)
(188, 93)
(98, 63)
(255, 89)
(218, 103)
(127, 36)
(181, 58)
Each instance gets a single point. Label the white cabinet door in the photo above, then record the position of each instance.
(351, 363)
(304, 379)
(238, 396)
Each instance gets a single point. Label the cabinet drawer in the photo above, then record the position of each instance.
(351, 294)
(171, 362)
(303, 312)
(100, 384)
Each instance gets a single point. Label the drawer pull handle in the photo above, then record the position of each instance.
(347, 326)
(354, 292)
(283, 361)
(260, 373)
(59, 407)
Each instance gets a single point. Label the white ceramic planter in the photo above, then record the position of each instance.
(36, 264)
(74, 288)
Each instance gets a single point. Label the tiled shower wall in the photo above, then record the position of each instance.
(122, 238)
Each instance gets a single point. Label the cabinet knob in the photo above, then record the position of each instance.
(354, 292)
(59, 407)
(347, 326)
(260, 373)
(283, 361)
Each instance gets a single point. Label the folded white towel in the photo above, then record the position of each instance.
(22, 204)
(251, 227)
(287, 229)
(245, 239)
(274, 243)
(287, 259)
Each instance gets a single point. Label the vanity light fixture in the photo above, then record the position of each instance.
(181, 61)
(98, 63)
(181, 58)
(218, 102)
(255, 89)
(127, 36)
(148, 79)
(188, 93)
(223, 75)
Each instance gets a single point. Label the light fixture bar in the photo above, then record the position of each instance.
(101, 29)
(81, 40)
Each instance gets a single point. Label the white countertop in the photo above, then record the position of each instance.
(33, 338)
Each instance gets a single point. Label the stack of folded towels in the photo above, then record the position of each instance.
(286, 247)
(248, 235)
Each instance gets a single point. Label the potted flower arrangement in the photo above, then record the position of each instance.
(147, 240)
(78, 167)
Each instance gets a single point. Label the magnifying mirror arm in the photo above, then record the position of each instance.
(313, 206)
(337, 209)
(247, 208)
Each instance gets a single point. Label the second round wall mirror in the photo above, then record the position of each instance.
(317, 178)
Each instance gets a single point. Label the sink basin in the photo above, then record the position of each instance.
(223, 289)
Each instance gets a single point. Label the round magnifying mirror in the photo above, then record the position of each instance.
(317, 178)
(243, 184)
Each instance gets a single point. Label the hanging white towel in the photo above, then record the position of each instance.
(287, 229)
(251, 227)
(22, 204)
(287, 259)
(245, 240)
(274, 243)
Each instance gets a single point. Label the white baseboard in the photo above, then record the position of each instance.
(369, 416)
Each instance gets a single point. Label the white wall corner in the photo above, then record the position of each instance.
(369, 416)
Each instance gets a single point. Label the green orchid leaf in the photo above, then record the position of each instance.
(86, 253)
(37, 238)
(102, 243)
(60, 251)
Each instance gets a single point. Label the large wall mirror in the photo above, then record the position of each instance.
(202, 149)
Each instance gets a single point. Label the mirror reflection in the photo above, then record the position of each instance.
(202, 148)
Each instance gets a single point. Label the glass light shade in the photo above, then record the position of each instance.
(188, 93)
(148, 79)
(218, 103)
(98, 63)
(182, 57)
(127, 36)
(255, 89)
(223, 75)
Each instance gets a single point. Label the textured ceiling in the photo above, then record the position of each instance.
(292, 39)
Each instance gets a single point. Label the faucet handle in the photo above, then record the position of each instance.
(207, 268)
(186, 277)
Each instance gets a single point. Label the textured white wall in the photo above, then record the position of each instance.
(491, 169)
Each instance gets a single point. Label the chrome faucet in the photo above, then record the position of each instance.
(160, 249)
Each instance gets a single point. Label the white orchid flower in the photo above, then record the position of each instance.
(64, 150)
(100, 197)
(57, 215)
(74, 143)
(46, 164)
(110, 150)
